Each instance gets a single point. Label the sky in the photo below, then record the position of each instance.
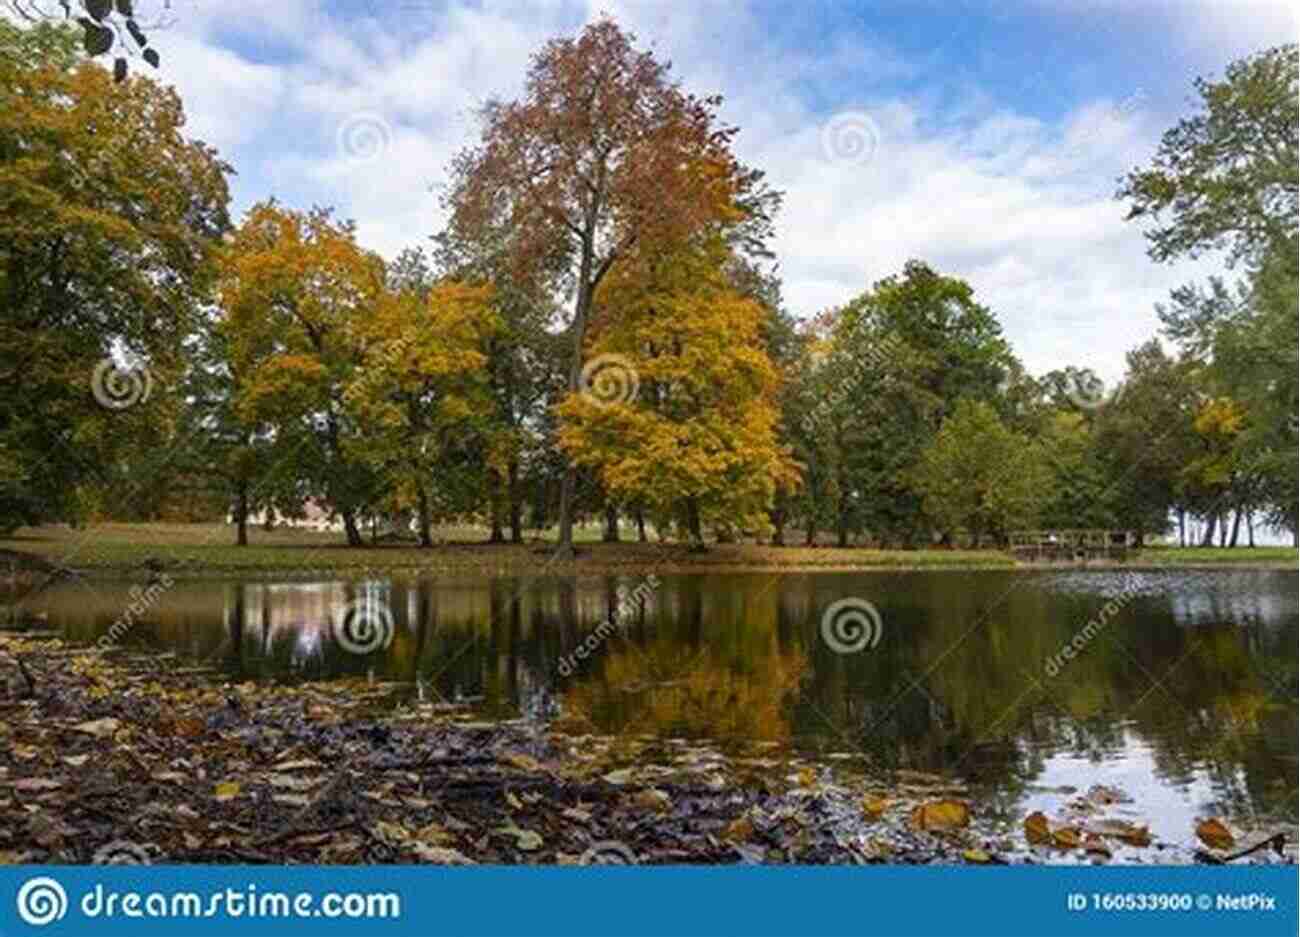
(982, 137)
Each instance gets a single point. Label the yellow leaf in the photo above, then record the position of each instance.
(873, 806)
(1214, 834)
(738, 830)
(940, 815)
(1037, 830)
(227, 790)
(976, 855)
(1068, 837)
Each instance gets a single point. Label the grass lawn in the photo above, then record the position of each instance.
(208, 548)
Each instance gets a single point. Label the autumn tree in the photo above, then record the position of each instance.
(602, 152)
(419, 385)
(684, 420)
(109, 217)
(297, 291)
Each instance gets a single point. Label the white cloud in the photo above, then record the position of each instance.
(1019, 207)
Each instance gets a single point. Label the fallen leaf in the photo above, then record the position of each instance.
(513, 802)
(577, 815)
(940, 815)
(99, 728)
(227, 790)
(873, 806)
(807, 777)
(1214, 834)
(75, 761)
(522, 762)
(439, 855)
(529, 841)
(36, 784)
(1037, 830)
(1068, 837)
(976, 855)
(620, 777)
(296, 765)
(1095, 845)
(738, 830)
(653, 799)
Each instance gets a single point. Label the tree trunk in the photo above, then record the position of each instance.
(693, 526)
(581, 307)
(516, 504)
(810, 534)
(1236, 528)
(1182, 527)
(1207, 538)
(241, 515)
(426, 536)
(351, 529)
(639, 514)
(1223, 530)
(1250, 529)
(778, 527)
(611, 522)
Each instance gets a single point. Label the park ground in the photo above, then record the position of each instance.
(208, 549)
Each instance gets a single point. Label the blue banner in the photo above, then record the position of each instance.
(607, 900)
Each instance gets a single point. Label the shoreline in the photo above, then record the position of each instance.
(96, 558)
(190, 769)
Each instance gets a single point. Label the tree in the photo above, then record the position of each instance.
(1226, 177)
(297, 291)
(102, 23)
(109, 220)
(1144, 437)
(602, 152)
(685, 417)
(979, 476)
(420, 385)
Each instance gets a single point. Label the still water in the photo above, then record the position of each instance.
(1178, 688)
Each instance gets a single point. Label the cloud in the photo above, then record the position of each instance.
(979, 184)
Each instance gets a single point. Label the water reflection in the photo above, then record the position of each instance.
(1187, 696)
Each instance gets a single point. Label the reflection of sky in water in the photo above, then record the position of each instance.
(1170, 806)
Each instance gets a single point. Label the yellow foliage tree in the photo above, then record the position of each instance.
(678, 410)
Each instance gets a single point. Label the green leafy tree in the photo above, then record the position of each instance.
(979, 476)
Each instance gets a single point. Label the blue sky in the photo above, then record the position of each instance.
(989, 134)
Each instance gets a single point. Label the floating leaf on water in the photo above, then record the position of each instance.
(1215, 834)
(1037, 829)
(1095, 845)
(1067, 837)
(940, 815)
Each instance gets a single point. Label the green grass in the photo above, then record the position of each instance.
(1195, 556)
(202, 548)
(209, 548)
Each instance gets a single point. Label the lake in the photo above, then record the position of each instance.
(1175, 688)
